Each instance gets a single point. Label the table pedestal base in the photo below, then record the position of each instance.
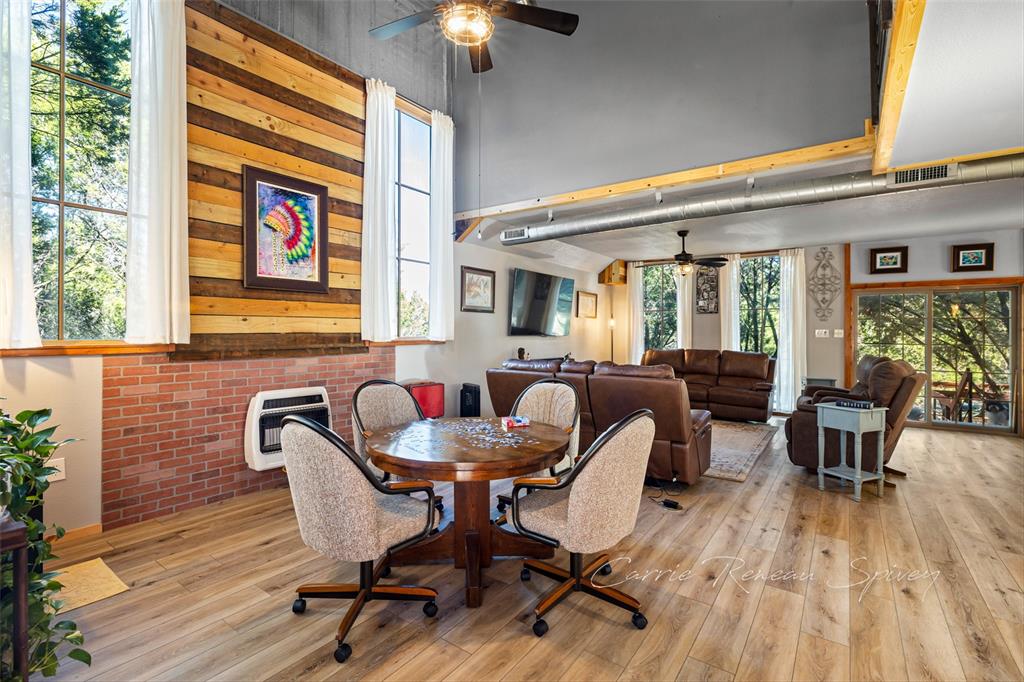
(471, 541)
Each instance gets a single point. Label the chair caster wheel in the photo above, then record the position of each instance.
(540, 627)
(386, 573)
(342, 653)
(299, 605)
(501, 507)
(438, 505)
(639, 621)
(605, 570)
(430, 609)
(524, 575)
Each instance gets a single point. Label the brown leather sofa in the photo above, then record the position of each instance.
(730, 384)
(890, 383)
(608, 392)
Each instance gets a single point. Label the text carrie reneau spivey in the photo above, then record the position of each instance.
(735, 569)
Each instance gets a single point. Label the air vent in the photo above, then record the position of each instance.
(920, 176)
(514, 234)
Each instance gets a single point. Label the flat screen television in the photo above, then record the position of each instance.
(541, 305)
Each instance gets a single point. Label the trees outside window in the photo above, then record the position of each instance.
(80, 99)
(759, 304)
(659, 307)
(413, 226)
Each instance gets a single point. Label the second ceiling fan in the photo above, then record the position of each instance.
(471, 24)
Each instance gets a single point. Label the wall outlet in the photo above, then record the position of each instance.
(58, 475)
(821, 333)
(838, 333)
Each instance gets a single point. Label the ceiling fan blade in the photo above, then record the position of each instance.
(480, 58)
(392, 29)
(548, 19)
(711, 262)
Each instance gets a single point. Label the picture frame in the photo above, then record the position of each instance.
(477, 290)
(284, 232)
(707, 290)
(586, 304)
(889, 260)
(972, 257)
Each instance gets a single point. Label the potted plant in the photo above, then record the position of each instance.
(25, 448)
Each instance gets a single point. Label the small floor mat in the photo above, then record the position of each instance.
(88, 582)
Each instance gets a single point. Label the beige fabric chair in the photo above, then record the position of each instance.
(345, 512)
(382, 404)
(554, 402)
(588, 509)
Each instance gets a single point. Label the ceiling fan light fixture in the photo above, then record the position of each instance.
(685, 269)
(467, 24)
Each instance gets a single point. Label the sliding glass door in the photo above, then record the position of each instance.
(963, 339)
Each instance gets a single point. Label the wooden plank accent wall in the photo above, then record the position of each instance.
(256, 98)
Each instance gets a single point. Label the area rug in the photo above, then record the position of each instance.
(88, 582)
(735, 446)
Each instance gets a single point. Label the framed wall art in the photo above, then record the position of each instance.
(477, 290)
(586, 304)
(972, 257)
(284, 232)
(706, 285)
(890, 259)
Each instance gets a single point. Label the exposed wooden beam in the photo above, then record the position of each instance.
(829, 151)
(906, 27)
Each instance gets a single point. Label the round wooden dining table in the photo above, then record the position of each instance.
(471, 452)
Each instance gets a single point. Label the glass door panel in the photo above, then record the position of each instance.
(894, 325)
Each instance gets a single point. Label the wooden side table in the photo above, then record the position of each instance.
(14, 539)
(857, 422)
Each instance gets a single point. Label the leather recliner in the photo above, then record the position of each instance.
(682, 436)
(891, 383)
(814, 393)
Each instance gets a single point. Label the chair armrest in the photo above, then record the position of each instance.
(534, 482)
(807, 407)
(410, 486)
(811, 389)
(828, 392)
(763, 386)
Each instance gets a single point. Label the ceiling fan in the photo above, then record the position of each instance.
(470, 23)
(686, 262)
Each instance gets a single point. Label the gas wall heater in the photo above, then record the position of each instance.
(263, 422)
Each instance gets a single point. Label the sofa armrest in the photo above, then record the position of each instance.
(806, 407)
(828, 393)
(763, 386)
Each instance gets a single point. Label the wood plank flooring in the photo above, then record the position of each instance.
(769, 579)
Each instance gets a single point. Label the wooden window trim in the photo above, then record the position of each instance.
(57, 348)
(403, 342)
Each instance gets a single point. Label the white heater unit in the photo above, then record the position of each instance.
(267, 409)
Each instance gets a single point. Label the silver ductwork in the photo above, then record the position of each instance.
(801, 193)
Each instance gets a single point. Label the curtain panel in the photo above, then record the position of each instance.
(791, 366)
(157, 306)
(379, 302)
(684, 309)
(18, 325)
(441, 323)
(635, 301)
(729, 304)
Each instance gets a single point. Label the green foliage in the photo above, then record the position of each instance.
(25, 448)
(413, 315)
(92, 141)
(660, 307)
(759, 304)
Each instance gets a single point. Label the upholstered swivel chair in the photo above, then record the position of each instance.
(381, 404)
(586, 510)
(555, 402)
(347, 513)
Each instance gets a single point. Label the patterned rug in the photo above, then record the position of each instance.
(735, 446)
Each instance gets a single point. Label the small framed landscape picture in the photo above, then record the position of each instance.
(972, 257)
(284, 232)
(477, 290)
(889, 259)
(586, 304)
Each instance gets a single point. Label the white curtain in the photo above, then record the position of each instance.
(684, 309)
(792, 356)
(379, 302)
(442, 224)
(729, 302)
(635, 301)
(18, 325)
(157, 303)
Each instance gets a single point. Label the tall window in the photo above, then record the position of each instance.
(759, 304)
(81, 71)
(413, 226)
(961, 339)
(660, 307)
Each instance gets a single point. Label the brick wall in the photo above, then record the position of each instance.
(172, 431)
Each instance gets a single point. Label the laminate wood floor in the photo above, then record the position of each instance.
(768, 579)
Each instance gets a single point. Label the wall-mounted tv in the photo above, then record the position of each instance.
(541, 304)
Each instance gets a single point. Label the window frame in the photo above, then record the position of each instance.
(669, 270)
(401, 111)
(88, 346)
(751, 257)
